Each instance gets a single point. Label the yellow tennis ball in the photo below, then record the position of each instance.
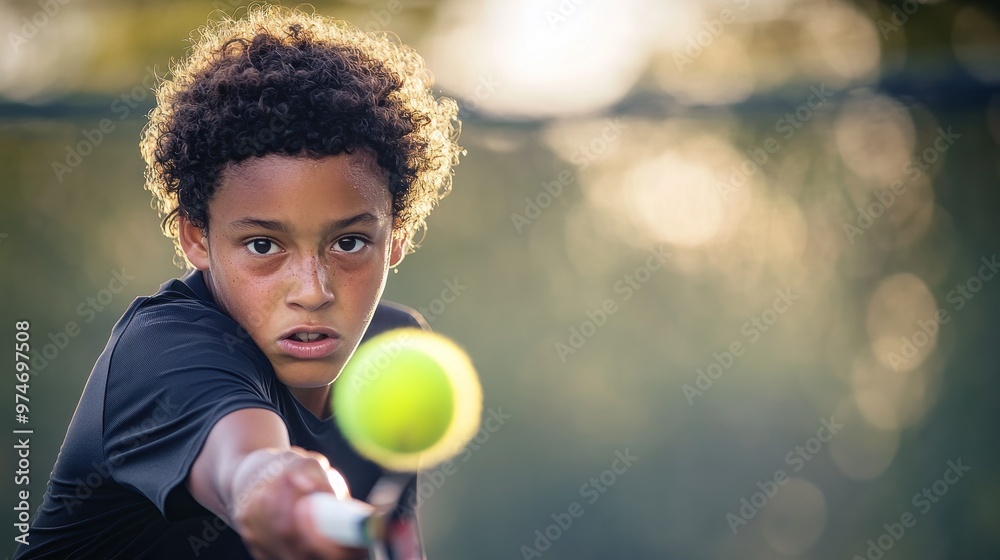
(408, 399)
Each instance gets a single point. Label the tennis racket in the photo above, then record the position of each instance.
(375, 524)
(377, 394)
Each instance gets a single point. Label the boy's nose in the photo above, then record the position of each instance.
(310, 285)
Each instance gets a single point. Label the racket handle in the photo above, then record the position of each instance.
(347, 522)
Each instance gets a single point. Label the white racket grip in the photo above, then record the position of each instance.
(343, 521)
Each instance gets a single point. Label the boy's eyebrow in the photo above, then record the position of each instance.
(282, 227)
(257, 223)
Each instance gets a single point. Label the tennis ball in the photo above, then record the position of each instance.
(408, 399)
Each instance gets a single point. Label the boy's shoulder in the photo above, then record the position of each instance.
(184, 299)
(390, 315)
(182, 314)
(188, 289)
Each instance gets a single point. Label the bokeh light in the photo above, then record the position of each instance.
(902, 322)
(527, 58)
(975, 33)
(795, 519)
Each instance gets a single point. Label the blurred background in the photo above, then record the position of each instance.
(728, 269)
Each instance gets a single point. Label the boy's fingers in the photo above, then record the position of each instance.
(324, 479)
(338, 483)
(309, 475)
(276, 527)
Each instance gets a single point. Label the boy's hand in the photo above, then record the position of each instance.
(268, 487)
(248, 473)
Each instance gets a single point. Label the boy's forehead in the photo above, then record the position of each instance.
(360, 167)
(274, 182)
(363, 169)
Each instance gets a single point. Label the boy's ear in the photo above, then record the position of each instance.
(194, 242)
(398, 250)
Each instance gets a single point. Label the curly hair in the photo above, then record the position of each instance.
(281, 81)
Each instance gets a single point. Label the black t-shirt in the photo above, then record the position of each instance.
(174, 366)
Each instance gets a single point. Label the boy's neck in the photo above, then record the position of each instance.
(315, 399)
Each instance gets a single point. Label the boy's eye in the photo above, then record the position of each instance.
(350, 244)
(262, 247)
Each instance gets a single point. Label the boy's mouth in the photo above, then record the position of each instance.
(307, 337)
(309, 343)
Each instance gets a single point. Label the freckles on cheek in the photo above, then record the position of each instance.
(246, 299)
(257, 301)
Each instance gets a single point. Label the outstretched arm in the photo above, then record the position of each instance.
(248, 474)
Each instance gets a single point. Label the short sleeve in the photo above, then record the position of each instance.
(171, 377)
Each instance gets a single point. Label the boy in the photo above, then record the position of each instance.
(293, 158)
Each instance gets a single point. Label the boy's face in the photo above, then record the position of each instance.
(297, 245)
